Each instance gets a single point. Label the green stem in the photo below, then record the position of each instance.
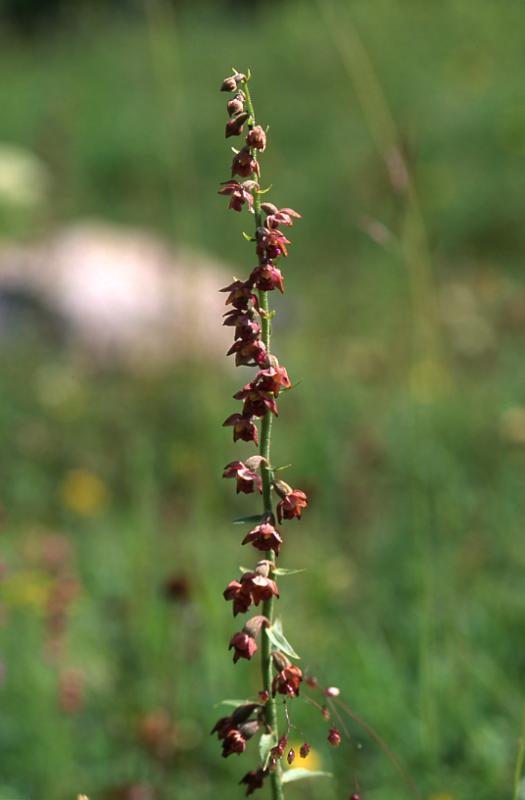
(271, 717)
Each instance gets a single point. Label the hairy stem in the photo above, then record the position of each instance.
(266, 474)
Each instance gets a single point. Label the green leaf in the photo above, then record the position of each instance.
(266, 742)
(284, 571)
(277, 638)
(299, 774)
(248, 237)
(243, 520)
(233, 703)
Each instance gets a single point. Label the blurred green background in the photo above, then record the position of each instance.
(398, 131)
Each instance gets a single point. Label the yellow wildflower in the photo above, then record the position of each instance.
(83, 492)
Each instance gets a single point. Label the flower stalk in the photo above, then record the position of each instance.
(250, 316)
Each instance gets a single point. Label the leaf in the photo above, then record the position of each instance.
(233, 703)
(266, 742)
(298, 774)
(248, 237)
(284, 571)
(277, 638)
(243, 520)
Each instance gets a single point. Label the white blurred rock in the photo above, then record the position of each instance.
(123, 294)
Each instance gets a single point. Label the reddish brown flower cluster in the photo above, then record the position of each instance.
(249, 316)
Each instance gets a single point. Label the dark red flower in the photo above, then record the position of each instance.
(256, 401)
(237, 316)
(253, 780)
(239, 715)
(253, 587)
(287, 681)
(257, 138)
(236, 104)
(292, 503)
(230, 83)
(247, 480)
(250, 353)
(239, 194)
(264, 537)
(240, 595)
(334, 737)
(233, 742)
(246, 328)
(244, 646)
(260, 587)
(240, 295)
(223, 726)
(272, 380)
(235, 125)
(245, 164)
(279, 216)
(271, 243)
(291, 756)
(267, 277)
(305, 749)
(243, 428)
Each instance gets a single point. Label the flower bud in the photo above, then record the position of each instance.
(334, 737)
(282, 488)
(250, 186)
(254, 462)
(263, 568)
(280, 661)
(253, 626)
(269, 208)
(235, 125)
(257, 138)
(305, 749)
(250, 728)
(291, 756)
(332, 691)
(234, 106)
(229, 84)
(242, 713)
(264, 696)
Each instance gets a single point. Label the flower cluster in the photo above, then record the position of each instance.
(249, 315)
